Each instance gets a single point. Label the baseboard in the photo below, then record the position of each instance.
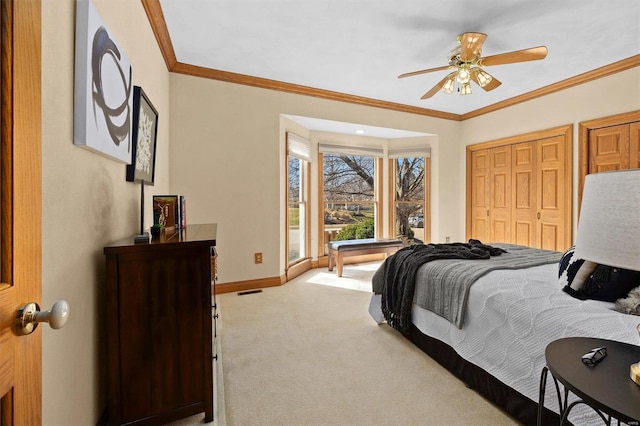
(321, 262)
(249, 285)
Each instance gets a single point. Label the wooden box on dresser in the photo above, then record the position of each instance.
(159, 327)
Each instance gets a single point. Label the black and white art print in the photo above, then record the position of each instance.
(145, 130)
(103, 92)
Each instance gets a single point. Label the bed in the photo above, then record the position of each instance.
(510, 315)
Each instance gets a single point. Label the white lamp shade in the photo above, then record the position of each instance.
(609, 224)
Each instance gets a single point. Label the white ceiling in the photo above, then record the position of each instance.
(359, 47)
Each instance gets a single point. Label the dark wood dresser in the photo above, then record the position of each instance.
(159, 327)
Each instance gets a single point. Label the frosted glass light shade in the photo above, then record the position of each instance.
(609, 224)
(465, 89)
(449, 85)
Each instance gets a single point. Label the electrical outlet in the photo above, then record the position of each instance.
(448, 240)
(258, 257)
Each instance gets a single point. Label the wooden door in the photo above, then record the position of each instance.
(524, 195)
(609, 149)
(480, 195)
(500, 196)
(634, 145)
(20, 209)
(551, 194)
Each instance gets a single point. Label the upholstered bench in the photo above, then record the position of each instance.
(338, 250)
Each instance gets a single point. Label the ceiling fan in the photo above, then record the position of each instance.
(467, 64)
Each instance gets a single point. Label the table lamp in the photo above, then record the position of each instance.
(609, 224)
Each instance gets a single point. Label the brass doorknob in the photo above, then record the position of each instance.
(29, 316)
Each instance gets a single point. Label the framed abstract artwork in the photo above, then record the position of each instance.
(144, 134)
(103, 88)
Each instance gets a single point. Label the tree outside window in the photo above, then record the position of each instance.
(349, 197)
(409, 199)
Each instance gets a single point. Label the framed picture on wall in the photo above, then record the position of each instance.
(145, 132)
(103, 88)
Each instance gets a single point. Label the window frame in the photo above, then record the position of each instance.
(377, 202)
(301, 264)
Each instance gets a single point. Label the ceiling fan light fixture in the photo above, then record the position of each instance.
(449, 85)
(464, 75)
(482, 77)
(466, 63)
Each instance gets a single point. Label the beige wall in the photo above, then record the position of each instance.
(227, 154)
(86, 204)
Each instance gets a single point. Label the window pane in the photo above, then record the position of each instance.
(294, 179)
(296, 195)
(296, 232)
(349, 197)
(410, 221)
(410, 199)
(409, 179)
(348, 178)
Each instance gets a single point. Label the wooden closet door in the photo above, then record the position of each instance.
(480, 195)
(524, 194)
(634, 145)
(500, 195)
(551, 194)
(609, 149)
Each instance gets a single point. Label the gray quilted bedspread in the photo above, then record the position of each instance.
(442, 286)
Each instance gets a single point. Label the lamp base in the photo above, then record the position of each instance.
(634, 372)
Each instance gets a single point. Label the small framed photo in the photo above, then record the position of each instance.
(145, 131)
(165, 211)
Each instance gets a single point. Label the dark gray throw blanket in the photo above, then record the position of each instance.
(399, 271)
(444, 284)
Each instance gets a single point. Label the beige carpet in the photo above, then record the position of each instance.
(308, 353)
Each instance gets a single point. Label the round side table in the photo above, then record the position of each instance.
(606, 387)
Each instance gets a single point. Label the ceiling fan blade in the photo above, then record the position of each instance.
(531, 54)
(437, 87)
(490, 85)
(409, 74)
(471, 46)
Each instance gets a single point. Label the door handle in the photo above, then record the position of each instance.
(538, 215)
(30, 315)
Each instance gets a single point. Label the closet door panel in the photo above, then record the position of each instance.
(524, 194)
(550, 183)
(549, 236)
(609, 149)
(500, 209)
(634, 145)
(480, 195)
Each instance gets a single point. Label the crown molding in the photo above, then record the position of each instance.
(230, 77)
(161, 32)
(625, 64)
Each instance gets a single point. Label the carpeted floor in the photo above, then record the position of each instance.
(308, 353)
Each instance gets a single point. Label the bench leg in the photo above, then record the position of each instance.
(331, 255)
(339, 264)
